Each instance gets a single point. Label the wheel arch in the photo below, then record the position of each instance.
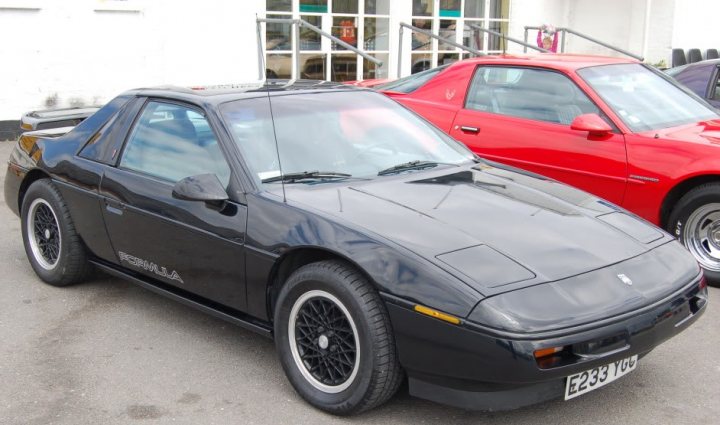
(679, 190)
(299, 257)
(31, 177)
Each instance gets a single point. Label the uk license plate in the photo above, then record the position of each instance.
(592, 379)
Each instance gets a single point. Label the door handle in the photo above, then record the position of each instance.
(114, 207)
(469, 129)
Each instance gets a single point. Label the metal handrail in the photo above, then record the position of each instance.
(609, 46)
(431, 35)
(297, 24)
(566, 31)
(508, 38)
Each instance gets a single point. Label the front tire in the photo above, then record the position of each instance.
(695, 221)
(334, 339)
(53, 248)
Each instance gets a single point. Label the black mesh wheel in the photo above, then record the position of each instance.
(324, 342)
(334, 339)
(44, 234)
(54, 249)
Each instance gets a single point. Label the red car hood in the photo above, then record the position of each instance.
(703, 132)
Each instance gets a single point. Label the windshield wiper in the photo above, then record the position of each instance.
(304, 175)
(412, 165)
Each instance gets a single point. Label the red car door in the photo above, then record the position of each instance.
(521, 116)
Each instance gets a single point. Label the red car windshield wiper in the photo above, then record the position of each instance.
(305, 175)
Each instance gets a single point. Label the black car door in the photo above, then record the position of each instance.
(195, 246)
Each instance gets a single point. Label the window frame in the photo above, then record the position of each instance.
(713, 93)
(232, 181)
(600, 112)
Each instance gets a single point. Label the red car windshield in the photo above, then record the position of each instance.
(644, 100)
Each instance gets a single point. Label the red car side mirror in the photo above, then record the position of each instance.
(591, 123)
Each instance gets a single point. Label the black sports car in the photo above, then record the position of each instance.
(366, 242)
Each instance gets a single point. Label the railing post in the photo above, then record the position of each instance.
(562, 42)
(400, 56)
(525, 39)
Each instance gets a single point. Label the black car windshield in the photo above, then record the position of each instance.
(644, 100)
(359, 133)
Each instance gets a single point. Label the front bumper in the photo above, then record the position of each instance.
(475, 368)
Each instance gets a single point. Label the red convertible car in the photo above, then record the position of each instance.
(613, 127)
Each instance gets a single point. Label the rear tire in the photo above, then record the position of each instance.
(53, 248)
(334, 339)
(695, 221)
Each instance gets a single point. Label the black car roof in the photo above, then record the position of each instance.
(217, 94)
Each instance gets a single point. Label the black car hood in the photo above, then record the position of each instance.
(493, 227)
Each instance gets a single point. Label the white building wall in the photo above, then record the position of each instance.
(696, 25)
(660, 31)
(620, 23)
(63, 53)
(76, 52)
(617, 22)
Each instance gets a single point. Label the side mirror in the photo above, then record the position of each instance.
(591, 123)
(202, 187)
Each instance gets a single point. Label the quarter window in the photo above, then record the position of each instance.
(716, 87)
(173, 142)
(412, 82)
(528, 93)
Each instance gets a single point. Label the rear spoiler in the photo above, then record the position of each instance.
(55, 118)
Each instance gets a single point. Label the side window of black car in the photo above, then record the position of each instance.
(104, 145)
(528, 93)
(172, 142)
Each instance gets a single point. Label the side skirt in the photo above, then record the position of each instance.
(234, 317)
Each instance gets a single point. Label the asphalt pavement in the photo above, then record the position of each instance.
(108, 352)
